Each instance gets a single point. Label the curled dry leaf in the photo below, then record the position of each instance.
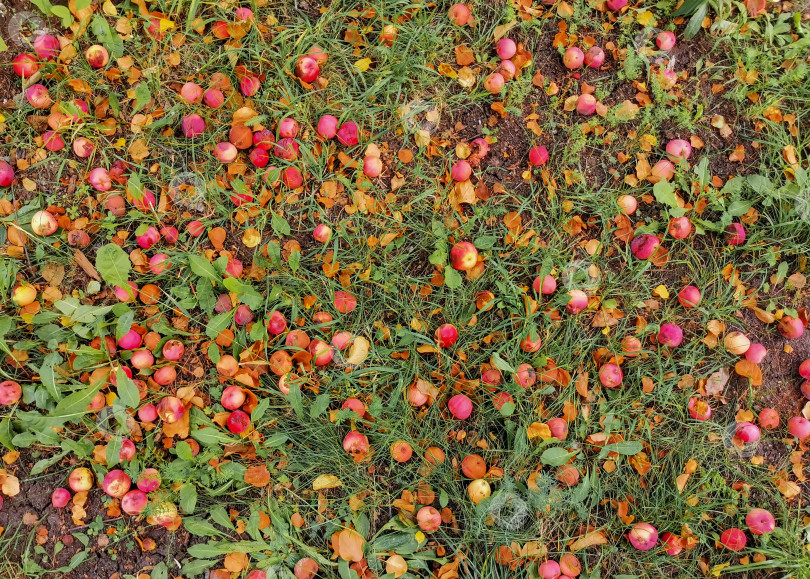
(589, 540)
(326, 481)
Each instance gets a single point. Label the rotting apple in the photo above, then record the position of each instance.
(10, 392)
(446, 335)
(573, 57)
(760, 521)
(689, 297)
(459, 14)
(698, 409)
(791, 328)
(733, 539)
(478, 490)
(460, 406)
(643, 536)
(463, 256)
(610, 375)
(595, 57)
(670, 335)
(97, 56)
(428, 519)
(307, 69)
(538, 156)
(116, 483)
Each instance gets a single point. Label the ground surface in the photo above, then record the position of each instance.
(309, 481)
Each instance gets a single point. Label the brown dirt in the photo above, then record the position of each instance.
(29, 519)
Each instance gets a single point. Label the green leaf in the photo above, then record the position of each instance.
(82, 4)
(485, 242)
(142, 96)
(203, 268)
(43, 464)
(123, 324)
(246, 293)
(738, 208)
(438, 257)
(196, 567)
(218, 548)
(200, 527)
(43, 5)
(188, 498)
(159, 571)
(218, 323)
(319, 405)
(508, 409)
(626, 447)
(276, 440)
(502, 364)
(761, 185)
(220, 517)
(6, 434)
(46, 374)
(74, 406)
(113, 265)
(127, 391)
(556, 456)
(452, 278)
(664, 192)
(695, 23)
(64, 13)
(183, 449)
(212, 437)
(688, 7)
(279, 224)
(295, 260)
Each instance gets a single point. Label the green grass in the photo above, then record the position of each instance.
(299, 437)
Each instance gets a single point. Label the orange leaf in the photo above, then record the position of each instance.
(258, 476)
(217, 237)
(348, 545)
(464, 55)
(236, 562)
(749, 370)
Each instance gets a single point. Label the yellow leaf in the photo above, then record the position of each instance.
(466, 78)
(165, 25)
(358, 351)
(500, 31)
(251, 237)
(422, 138)
(447, 70)
(589, 540)
(662, 292)
(419, 536)
(362, 64)
(109, 8)
(326, 481)
(646, 18)
(538, 430)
